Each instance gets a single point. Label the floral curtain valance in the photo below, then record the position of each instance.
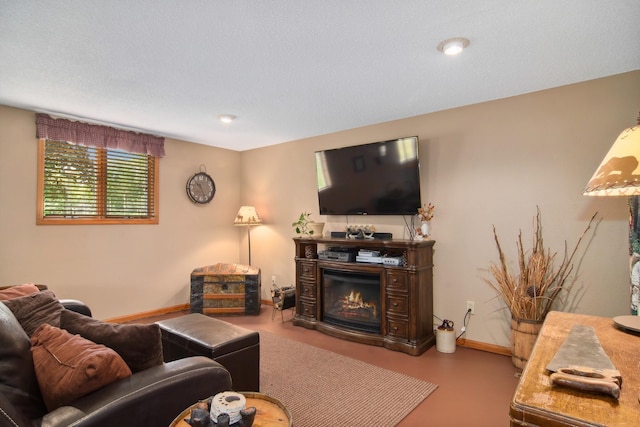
(98, 136)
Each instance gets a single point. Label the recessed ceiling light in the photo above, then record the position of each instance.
(453, 46)
(226, 118)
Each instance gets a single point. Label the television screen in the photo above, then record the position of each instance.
(381, 178)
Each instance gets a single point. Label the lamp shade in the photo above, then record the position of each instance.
(619, 172)
(247, 215)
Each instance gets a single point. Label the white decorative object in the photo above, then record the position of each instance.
(425, 215)
(360, 231)
(426, 229)
(317, 228)
(445, 340)
(230, 403)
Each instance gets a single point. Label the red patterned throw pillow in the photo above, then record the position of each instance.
(69, 366)
(18, 291)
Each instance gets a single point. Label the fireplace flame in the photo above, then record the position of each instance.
(354, 298)
(354, 301)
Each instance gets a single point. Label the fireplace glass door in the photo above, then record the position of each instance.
(351, 300)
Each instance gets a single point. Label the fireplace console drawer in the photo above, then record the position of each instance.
(397, 280)
(307, 270)
(308, 309)
(398, 328)
(398, 304)
(308, 290)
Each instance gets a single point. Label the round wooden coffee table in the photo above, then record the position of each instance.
(270, 412)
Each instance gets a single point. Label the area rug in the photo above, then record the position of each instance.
(323, 388)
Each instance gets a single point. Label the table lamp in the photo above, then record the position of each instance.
(248, 216)
(619, 175)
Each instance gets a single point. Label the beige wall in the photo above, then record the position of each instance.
(117, 270)
(482, 165)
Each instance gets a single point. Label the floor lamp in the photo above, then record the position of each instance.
(247, 216)
(619, 175)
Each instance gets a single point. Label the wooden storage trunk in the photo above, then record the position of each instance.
(225, 289)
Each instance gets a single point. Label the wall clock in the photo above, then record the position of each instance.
(201, 188)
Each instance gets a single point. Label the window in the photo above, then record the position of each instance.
(88, 185)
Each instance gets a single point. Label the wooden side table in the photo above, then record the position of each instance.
(270, 412)
(537, 403)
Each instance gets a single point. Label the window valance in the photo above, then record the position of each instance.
(98, 136)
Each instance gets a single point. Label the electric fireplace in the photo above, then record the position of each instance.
(351, 300)
(387, 305)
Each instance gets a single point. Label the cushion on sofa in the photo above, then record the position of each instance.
(140, 345)
(35, 309)
(18, 291)
(68, 366)
(18, 383)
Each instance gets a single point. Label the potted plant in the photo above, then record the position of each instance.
(306, 227)
(534, 290)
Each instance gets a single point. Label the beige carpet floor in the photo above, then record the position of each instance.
(322, 388)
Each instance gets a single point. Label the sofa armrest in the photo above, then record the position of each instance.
(10, 416)
(153, 397)
(77, 306)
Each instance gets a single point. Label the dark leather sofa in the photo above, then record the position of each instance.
(152, 397)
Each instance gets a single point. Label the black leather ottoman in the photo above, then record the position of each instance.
(235, 348)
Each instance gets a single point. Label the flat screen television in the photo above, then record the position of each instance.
(380, 178)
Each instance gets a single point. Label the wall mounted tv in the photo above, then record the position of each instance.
(381, 178)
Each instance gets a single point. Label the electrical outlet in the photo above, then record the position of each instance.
(471, 306)
(273, 279)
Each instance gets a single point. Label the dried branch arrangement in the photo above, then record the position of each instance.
(531, 293)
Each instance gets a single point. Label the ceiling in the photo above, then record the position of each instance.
(292, 69)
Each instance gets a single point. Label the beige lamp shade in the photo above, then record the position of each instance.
(247, 215)
(619, 172)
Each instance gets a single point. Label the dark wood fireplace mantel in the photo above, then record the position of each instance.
(406, 291)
